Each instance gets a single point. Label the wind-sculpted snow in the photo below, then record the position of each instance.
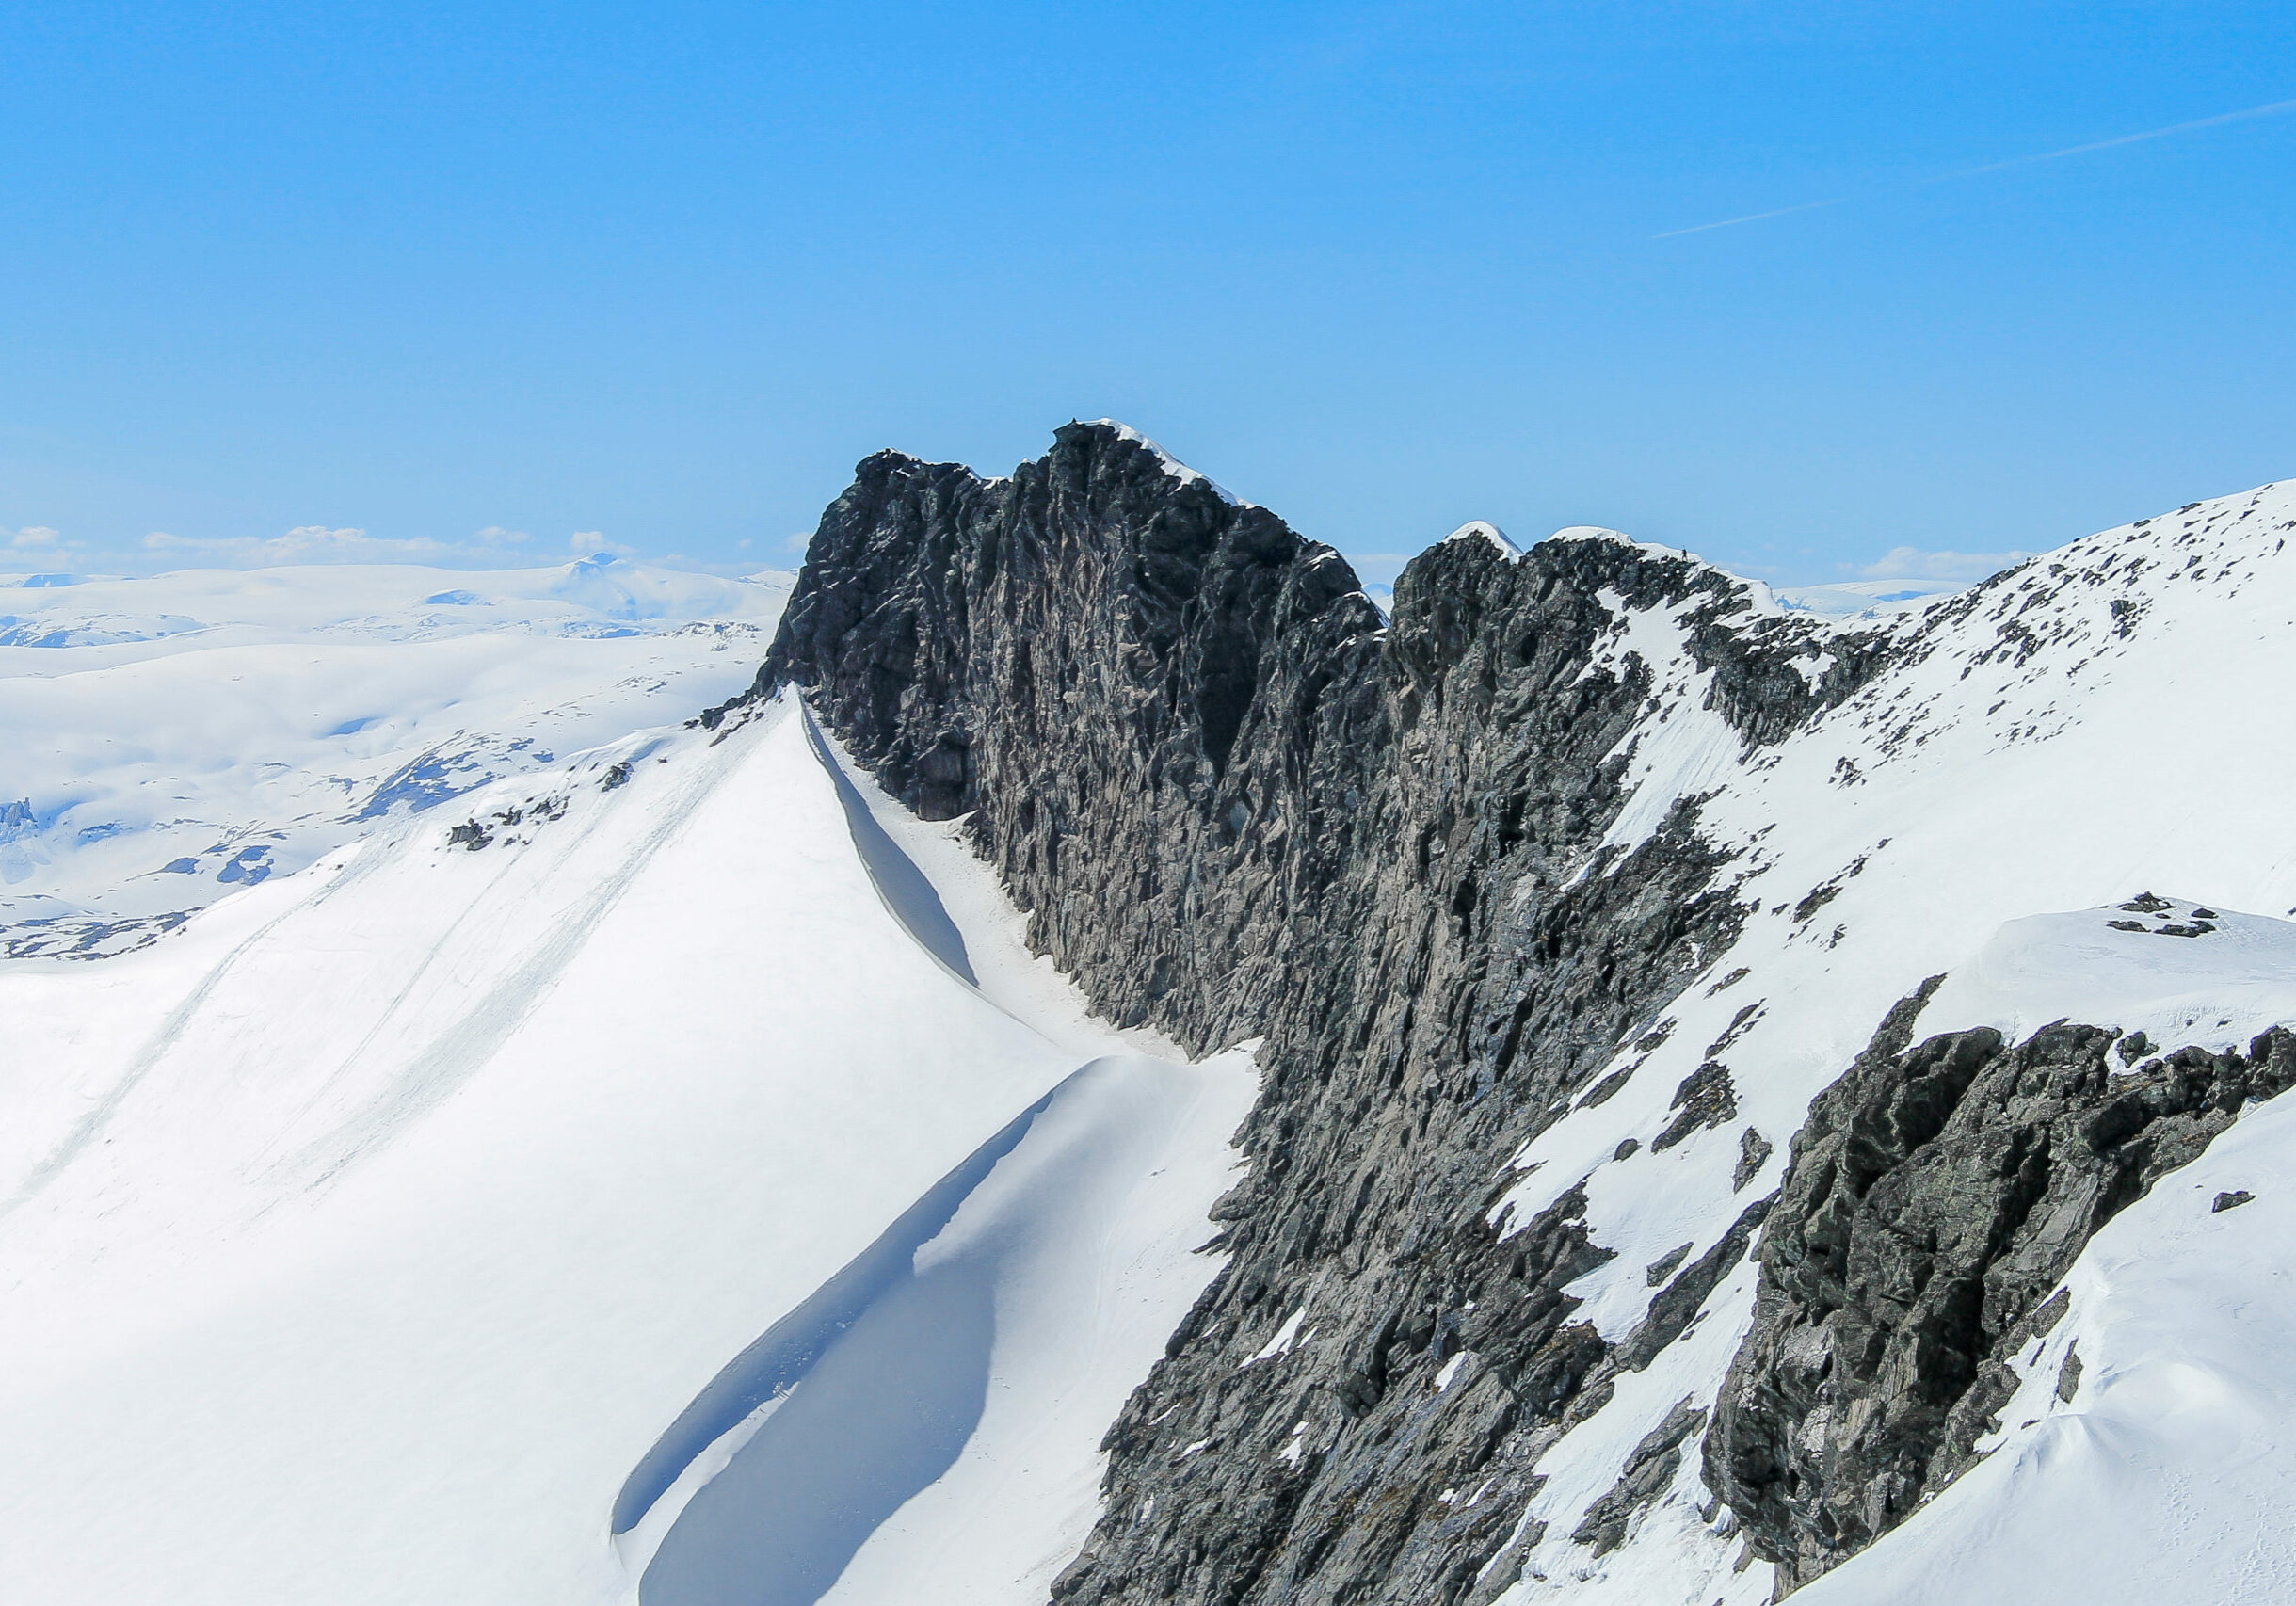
(1557, 897)
(365, 1237)
(910, 896)
(933, 1345)
(789, 1350)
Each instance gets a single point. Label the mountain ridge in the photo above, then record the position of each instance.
(1461, 867)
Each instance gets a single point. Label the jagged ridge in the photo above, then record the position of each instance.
(1461, 870)
(1237, 803)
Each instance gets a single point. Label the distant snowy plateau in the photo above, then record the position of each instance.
(473, 1131)
(176, 737)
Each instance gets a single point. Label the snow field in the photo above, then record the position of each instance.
(185, 733)
(2073, 733)
(362, 1240)
(397, 1207)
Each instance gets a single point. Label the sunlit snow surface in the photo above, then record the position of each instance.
(1863, 601)
(384, 1231)
(362, 1238)
(175, 737)
(2100, 723)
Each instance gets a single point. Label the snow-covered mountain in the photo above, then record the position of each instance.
(395, 1226)
(1732, 1092)
(1557, 897)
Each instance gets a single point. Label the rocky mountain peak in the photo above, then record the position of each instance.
(1553, 898)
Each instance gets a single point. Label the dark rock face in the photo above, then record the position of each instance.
(1649, 1469)
(1237, 803)
(1936, 1196)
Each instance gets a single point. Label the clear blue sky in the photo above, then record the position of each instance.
(666, 271)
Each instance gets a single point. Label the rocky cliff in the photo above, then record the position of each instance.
(1939, 1193)
(1423, 859)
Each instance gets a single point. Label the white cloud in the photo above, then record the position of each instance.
(1911, 563)
(316, 543)
(37, 547)
(798, 542)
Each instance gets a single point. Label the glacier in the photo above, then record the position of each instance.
(181, 734)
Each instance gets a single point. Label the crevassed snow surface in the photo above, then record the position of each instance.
(176, 737)
(362, 1240)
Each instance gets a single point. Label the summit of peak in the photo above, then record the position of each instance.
(1172, 465)
(1484, 530)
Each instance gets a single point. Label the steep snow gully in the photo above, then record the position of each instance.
(1119, 1070)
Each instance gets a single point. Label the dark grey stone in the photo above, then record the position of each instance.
(1661, 1269)
(1936, 1196)
(1650, 1467)
(1707, 1098)
(1237, 802)
(1754, 1151)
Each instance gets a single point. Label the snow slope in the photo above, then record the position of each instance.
(2169, 1474)
(2094, 725)
(360, 1241)
(181, 735)
(692, 1192)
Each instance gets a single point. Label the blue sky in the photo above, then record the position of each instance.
(656, 277)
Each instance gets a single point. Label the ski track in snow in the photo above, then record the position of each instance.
(75, 1142)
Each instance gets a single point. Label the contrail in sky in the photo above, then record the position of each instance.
(2123, 139)
(2273, 109)
(1752, 218)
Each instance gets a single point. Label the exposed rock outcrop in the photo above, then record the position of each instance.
(1236, 802)
(1937, 1194)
